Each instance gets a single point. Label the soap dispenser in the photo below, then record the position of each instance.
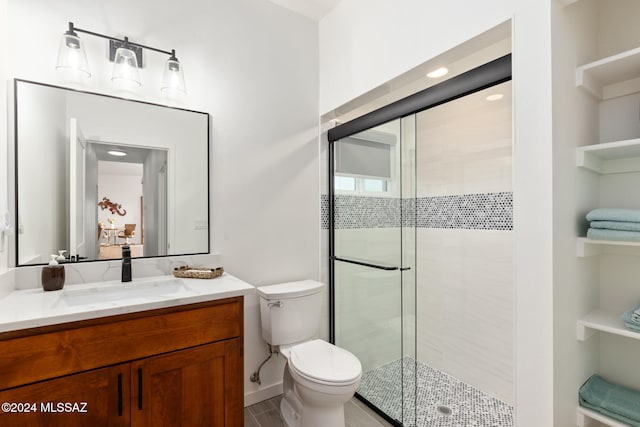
(53, 275)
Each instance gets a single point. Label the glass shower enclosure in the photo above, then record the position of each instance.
(373, 237)
(374, 253)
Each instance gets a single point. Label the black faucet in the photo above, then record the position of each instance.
(126, 263)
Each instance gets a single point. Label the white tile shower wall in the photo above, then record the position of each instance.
(368, 310)
(465, 306)
(464, 245)
(464, 146)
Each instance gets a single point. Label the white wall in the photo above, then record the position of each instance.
(573, 42)
(365, 43)
(4, 102)
(254, 67)
(532, 215)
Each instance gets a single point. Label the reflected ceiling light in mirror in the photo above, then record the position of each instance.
(71, 55)
(173, 77)
(442, 71)
(494, 97)
(127, 58)
(117, 153)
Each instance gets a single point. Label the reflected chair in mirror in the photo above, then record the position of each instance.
(128, 232)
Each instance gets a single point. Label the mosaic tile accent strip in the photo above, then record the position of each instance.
(441, 400)
(484, 211)
(366, 212)
(324, 211)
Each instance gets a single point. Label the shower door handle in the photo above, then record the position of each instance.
(368, 264)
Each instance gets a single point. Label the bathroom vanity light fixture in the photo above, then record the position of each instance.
(126, 57)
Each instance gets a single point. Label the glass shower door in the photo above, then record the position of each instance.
(373, 260)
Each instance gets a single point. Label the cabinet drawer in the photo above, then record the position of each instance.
(116, 339)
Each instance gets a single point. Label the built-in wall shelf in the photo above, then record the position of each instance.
(610, 77)
(610, 157)
(587, 247)
(585, 416)
(605, 321)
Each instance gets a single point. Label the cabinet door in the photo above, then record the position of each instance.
(94, 398)
(200, 386)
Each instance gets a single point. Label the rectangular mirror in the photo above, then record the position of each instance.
(94, 172)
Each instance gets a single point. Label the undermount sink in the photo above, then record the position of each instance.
(145, 288)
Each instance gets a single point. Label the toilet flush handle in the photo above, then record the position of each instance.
(275, 304)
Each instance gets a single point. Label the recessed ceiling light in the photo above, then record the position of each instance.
(442, 71)
(494, 97)
(117, 153)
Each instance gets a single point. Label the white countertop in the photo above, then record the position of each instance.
(30, 308)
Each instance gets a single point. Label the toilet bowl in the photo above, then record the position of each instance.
(319, 377)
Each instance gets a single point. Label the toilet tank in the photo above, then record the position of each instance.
(290, 312)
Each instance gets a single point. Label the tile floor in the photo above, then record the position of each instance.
(267, 414)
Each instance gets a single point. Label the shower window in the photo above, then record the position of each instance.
(366, 163)
(345, 184)
(353, 185)
(375, 186)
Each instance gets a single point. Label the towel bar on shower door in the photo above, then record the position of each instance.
(368, 264)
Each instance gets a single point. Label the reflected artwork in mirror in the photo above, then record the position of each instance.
(94, 172)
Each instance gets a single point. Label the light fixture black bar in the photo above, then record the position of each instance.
(91, 33)
(482, 77)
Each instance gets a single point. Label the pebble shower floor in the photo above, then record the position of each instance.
(442, 400)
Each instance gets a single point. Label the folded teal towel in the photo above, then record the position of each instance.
(616, 225)
(625, 215)
(611, 400)
(634, 327)
(630, 321)
(619, 235)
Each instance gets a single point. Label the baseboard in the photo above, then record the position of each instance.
(263, 394)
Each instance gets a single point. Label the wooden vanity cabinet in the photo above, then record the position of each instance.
(180, 366)
(96, 392)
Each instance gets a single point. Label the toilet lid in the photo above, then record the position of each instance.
(322, 361)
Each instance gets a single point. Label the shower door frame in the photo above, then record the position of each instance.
(482, 77)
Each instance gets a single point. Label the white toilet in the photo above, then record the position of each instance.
(318, 377)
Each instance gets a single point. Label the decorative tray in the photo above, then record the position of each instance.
(189, 272)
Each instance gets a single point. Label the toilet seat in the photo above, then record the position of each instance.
(321, 362)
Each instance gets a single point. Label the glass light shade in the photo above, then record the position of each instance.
(72, 56)
(125, 67)
(173, 77)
